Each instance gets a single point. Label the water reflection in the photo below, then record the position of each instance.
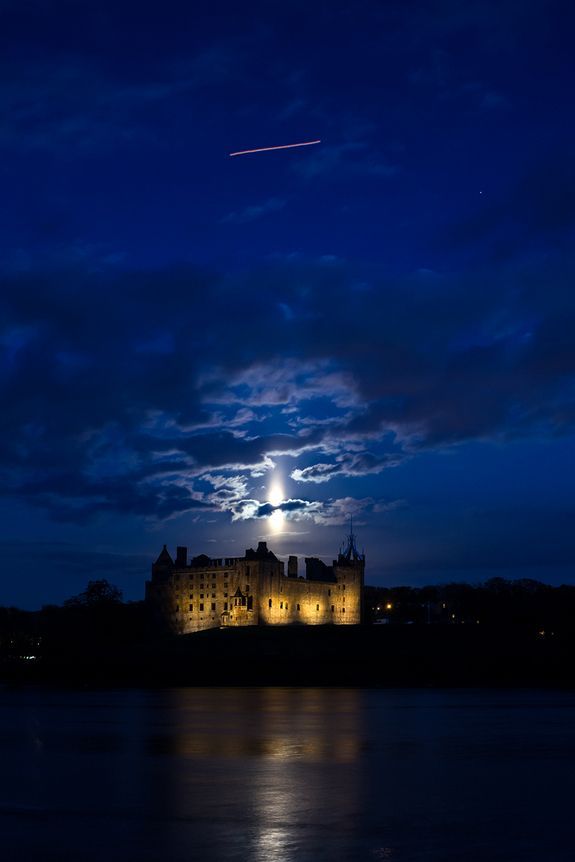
(273, 724)
(282, 775)
(277, 755)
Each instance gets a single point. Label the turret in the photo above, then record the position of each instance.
(349, 570)
(163, 566)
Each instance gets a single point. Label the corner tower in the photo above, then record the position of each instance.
(349, 571)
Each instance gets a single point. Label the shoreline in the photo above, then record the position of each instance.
(433, 656)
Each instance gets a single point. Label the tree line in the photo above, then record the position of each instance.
(495, 602)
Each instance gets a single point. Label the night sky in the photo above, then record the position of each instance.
(210, 351)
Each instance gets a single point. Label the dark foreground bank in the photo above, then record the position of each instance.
(408, 655)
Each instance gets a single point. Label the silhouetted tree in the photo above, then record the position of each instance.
(96, 594)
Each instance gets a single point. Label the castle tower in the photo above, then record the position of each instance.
(349, 571)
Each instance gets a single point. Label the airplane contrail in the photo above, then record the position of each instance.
(282, 147)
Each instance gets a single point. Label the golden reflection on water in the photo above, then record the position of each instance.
(311, 725)
(271, 759)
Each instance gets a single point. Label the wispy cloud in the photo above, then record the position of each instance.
(255, 211)
(81, 106)
(355, 157)
(360, 464)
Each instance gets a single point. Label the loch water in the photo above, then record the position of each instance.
(280, 774)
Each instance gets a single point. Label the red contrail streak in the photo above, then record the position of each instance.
(282, 147)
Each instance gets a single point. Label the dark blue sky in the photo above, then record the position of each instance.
(209, 351)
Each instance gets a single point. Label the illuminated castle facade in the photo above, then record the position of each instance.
(202, 592)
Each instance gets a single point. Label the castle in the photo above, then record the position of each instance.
(252, 590)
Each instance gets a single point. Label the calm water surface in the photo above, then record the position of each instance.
(286, 774)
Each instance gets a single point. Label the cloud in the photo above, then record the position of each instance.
(114, 403)
(337, 512)
(317, 473)
(81, 106)
(360, 464)
(285, 381)
(327, 512)
(254, 212)
(245, 510)
(355, 157)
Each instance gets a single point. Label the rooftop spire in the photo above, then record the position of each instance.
(349, 549)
